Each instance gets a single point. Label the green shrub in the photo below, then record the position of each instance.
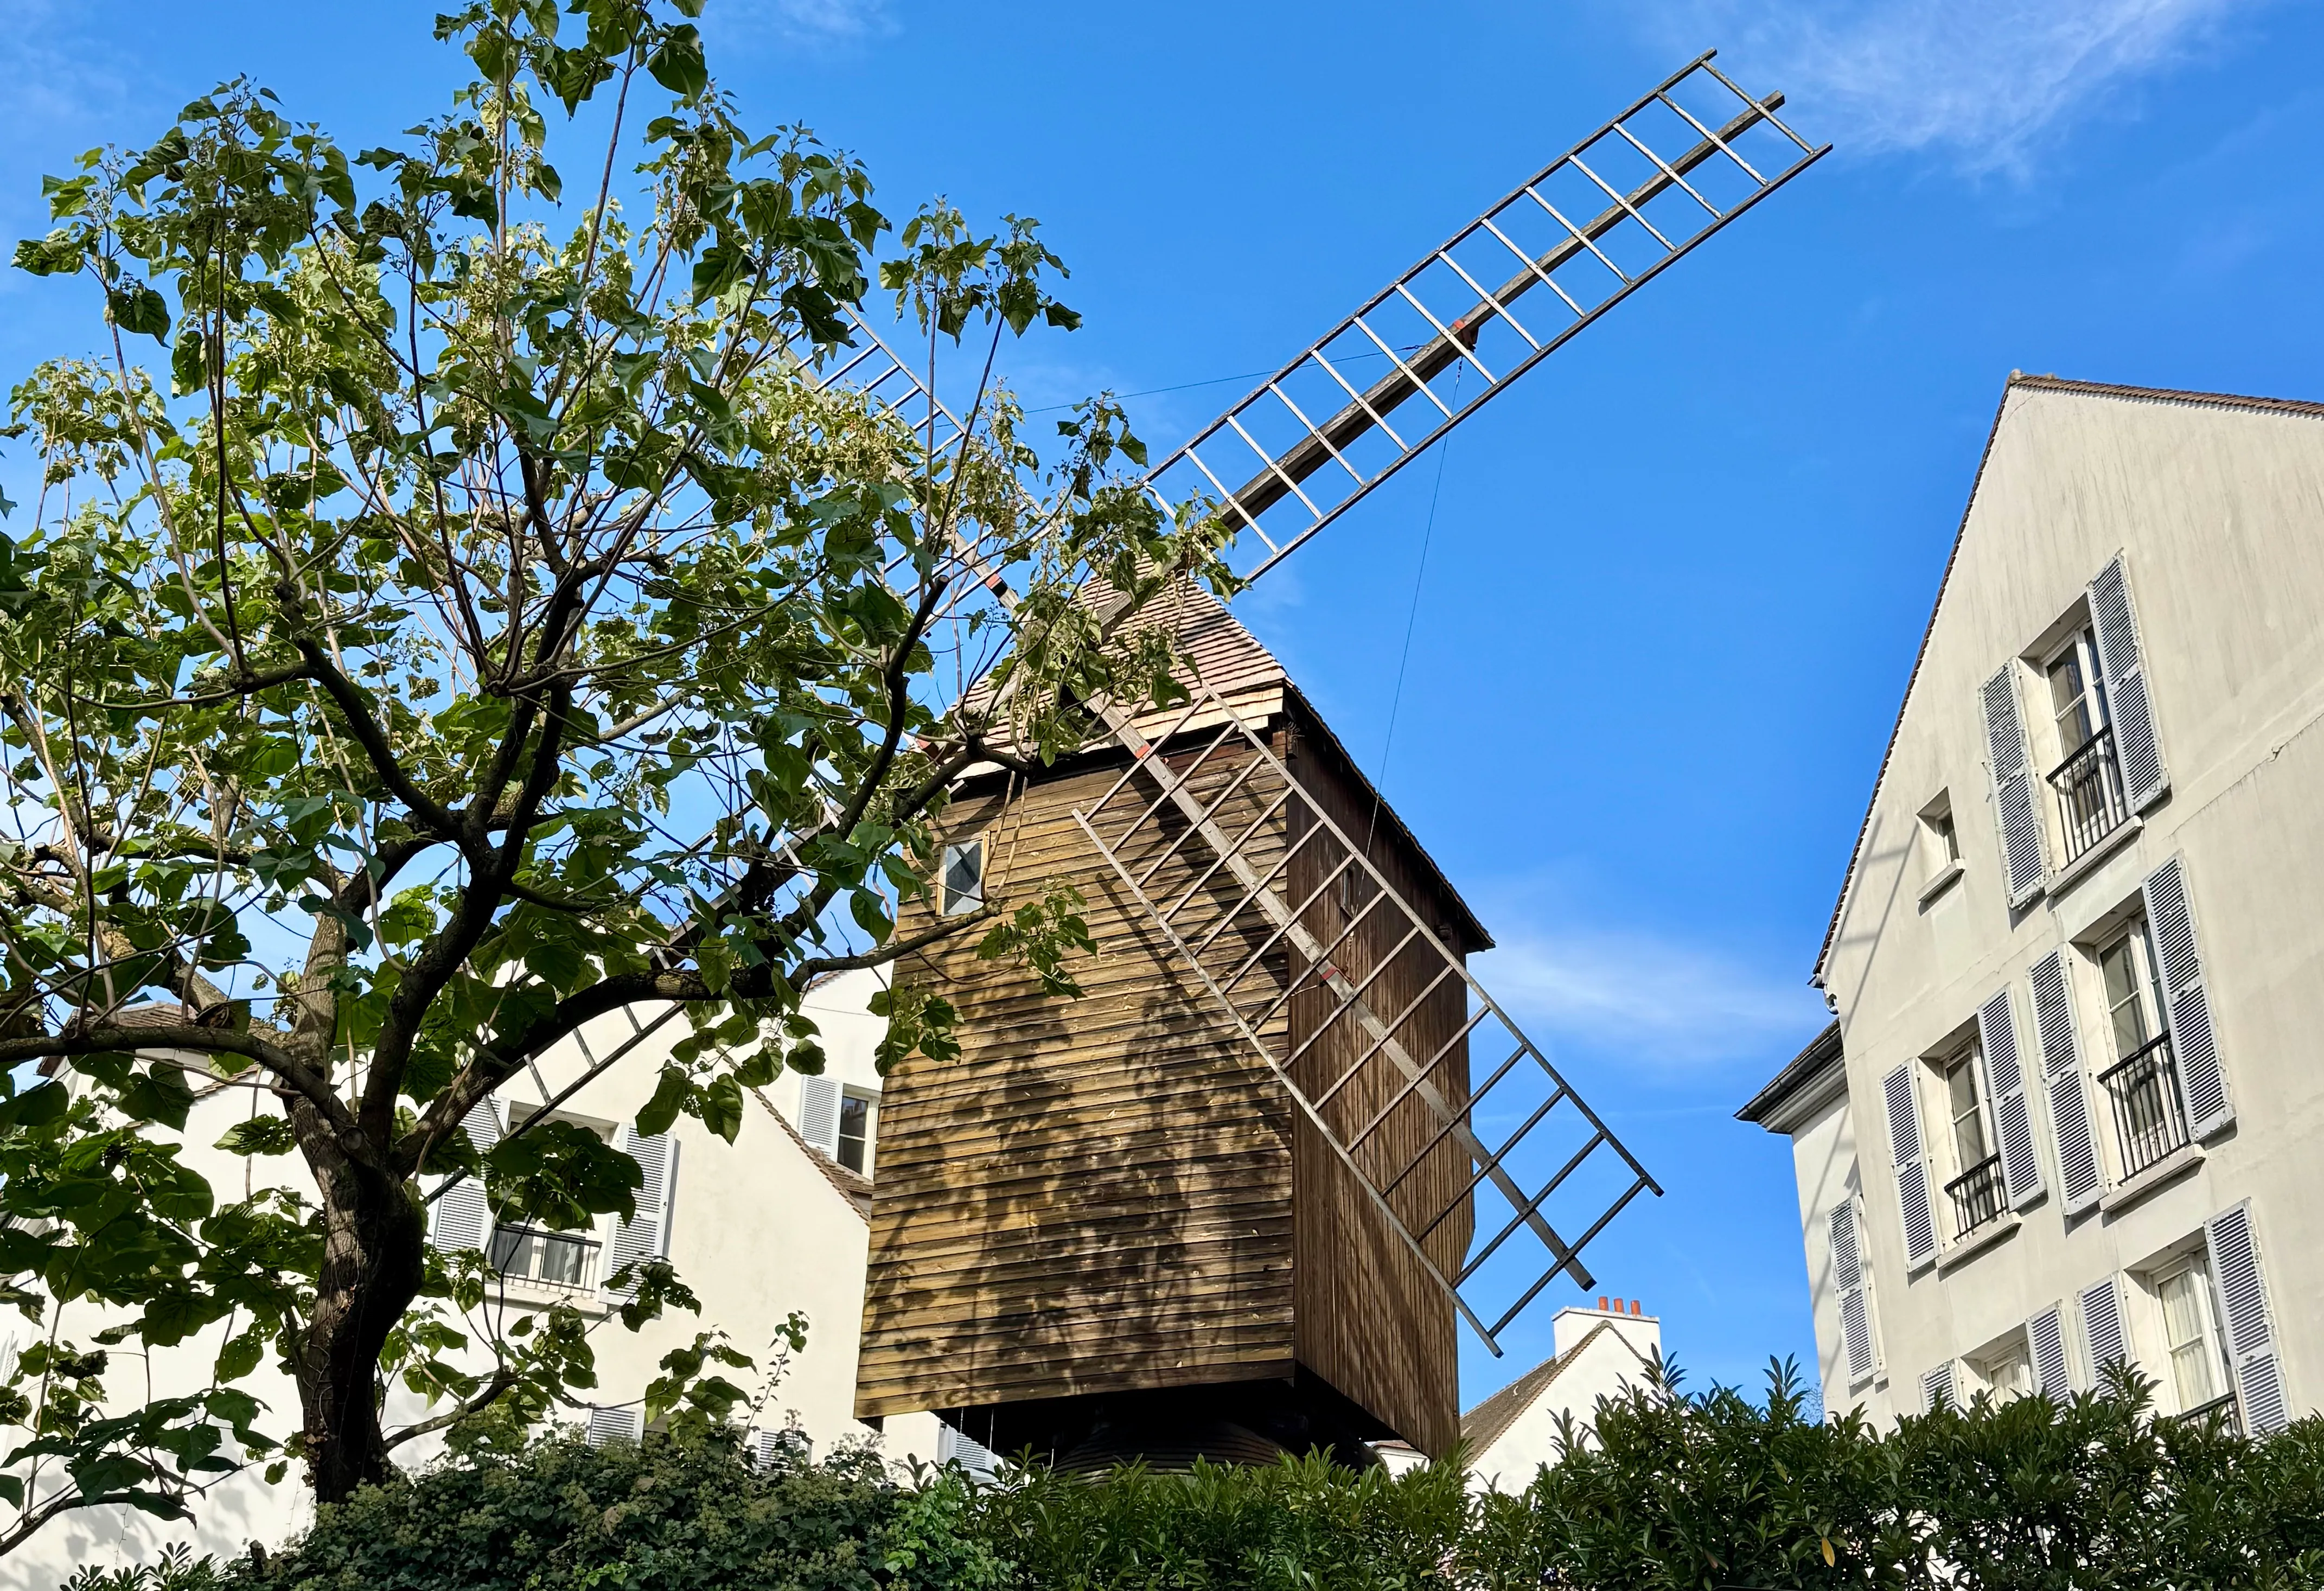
(669, 1516)
(1674, 1493)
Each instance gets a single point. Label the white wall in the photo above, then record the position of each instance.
(1604, 1353)
(757, 1230)
(2220, 511)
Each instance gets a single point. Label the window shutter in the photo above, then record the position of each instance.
(2045, 1336)
(462, 1214)
(1996, 1036)
(2023, 855)
(647, 1234)
(2128, 711)
(1848, 1281)
(1897, 1093)
(819, 1113)
(2243, 1318)
(1937, 1386)
(2203, 1082)
(971, 1455)
(2079, 1178)
(612, 1425)
(2102, 1327)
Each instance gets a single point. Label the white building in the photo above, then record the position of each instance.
(2072, 1107)
(757, 1228)
(1600, 1353)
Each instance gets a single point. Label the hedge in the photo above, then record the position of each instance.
(1702, 1492)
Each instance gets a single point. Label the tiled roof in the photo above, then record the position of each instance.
(854, 1187)
(1482, 1426)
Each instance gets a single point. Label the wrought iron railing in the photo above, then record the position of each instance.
(557, 1261)
(2149, 1123)
(2223, 1407)
(2090, 801)
(1977, 1196)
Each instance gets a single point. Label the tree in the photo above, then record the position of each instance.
(486, 620)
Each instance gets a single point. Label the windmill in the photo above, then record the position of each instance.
(1234, 1199)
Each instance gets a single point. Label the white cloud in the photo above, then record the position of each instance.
(819, 22)
(1981, 80)
(1661, 1002)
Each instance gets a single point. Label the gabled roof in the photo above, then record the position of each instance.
(2037, 383)
(1215, 649)
(1484, 1425)
(853, 1187)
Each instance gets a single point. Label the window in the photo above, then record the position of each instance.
(1966, 1109)
(2142, 1085)
(1939, 845)
(2077, 698)
(2191, 1337)
(1977, 1193)
(536, 1256)
(2009, 1373)
(963, 877)
(854, 1131)
(2087, 779)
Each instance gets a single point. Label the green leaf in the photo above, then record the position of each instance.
(678, 64)
(138, 309)
(722, 1108)
(39, 1106)
(660, 1111)
(260, 1135)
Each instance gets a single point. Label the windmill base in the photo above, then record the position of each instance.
(1251, 1423)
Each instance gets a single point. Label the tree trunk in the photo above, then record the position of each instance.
(373, 1243)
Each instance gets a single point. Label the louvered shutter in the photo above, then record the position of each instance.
(1897, 1093)
(2102, 1336)
(2045, 1340)
(1936, 1387)
(2066, 1087)
(646, 1235)
(2203, 1082)
(2023, 855)
(612, 1425)
(1996, 1036)
(2243, 1318)
(1848, 1281)
(2129, 712)
(819, 1113)
(462, 1214)
(971, 1455)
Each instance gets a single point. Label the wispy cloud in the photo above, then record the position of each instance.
(1661, 1002)
(1981, 81)
(823, 22)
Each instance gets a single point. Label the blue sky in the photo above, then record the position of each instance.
(1675, 577)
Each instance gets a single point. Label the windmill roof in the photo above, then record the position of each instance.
(2019, 381)
(1215, 650)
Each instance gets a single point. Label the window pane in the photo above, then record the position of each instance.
(854, 1130)
(964, 878)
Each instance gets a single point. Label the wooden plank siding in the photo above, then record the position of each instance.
(1114, 1193)
(1371, 1321)
(1097, 1195)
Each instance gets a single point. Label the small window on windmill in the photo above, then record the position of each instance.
(964, 878)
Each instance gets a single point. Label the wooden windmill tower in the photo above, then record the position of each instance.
(1235, 1199)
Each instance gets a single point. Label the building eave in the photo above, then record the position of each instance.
(1809, 1082)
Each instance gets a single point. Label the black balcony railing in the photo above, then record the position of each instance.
(559, 1262)
(2148, 1121)
(2222, 1408)
(2090, 802)
(1977, 1196)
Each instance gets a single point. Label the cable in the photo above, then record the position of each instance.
(1412, 618)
